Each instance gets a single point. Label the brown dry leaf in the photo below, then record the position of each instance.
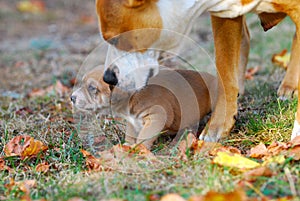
(33, 6)
(234, 161)
(3, 166)
(186, 144)
(294, 152)
(42, 167)
(250, 72)
(87, 19)
(277, 147)
(76, 199)
(282, 59)
(93, 163)
(259, 151)
(24, 146)
(229, 149)
(251, 175)
(57, 88)
(237, 195)
(205, 147)
(172, 197)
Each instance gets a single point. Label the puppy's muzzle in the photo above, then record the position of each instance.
(110, 77)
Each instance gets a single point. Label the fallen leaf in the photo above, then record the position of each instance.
(277, 147)
(33, 6)
(87, 19)
(229, 149)
(172, 197)
(234, 161)
(251, 175)
(24, 111)
(76, 199)
(93, 163)
(42, 167)
(259, 151)
(293, 152)
(280, 159)
(282, 59)
(237, 195)
(3, 166)
(185, 145)
(205, 147)
(250, 72)
(24, 146)
(58, 88)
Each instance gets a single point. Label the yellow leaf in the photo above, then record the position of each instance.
(234, 161)
(282, 59)
(276, 159)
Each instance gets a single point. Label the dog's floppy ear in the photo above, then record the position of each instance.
(134, 3)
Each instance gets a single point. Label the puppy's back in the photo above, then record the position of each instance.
(185, 95)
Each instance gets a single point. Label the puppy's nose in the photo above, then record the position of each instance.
(73, 99)
(110, 77)
(113, 41)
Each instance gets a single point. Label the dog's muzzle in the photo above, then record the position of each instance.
(110, 77)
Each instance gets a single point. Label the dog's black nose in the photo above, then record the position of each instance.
(110, 77)
(73, 99)
(113, 41)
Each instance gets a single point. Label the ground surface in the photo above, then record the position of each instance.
(38, 50)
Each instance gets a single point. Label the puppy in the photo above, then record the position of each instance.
(138, 27)
(173, 100)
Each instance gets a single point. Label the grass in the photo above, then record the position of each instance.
(262, 118)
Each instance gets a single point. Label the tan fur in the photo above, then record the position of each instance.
(160, 106)
(230, 38)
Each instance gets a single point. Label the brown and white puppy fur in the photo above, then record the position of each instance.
(168, 104)
(130, 16)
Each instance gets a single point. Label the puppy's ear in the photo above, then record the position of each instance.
(134, 3)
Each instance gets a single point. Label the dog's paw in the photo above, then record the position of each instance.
(209, 135)
(296, 130)
(287, 91)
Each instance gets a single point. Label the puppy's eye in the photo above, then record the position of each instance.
(92, 89)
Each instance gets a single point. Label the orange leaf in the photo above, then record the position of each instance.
(251, 72)
(172, 197)
(58, 88)
(93, 163)
(33, 6)
(42, 167)
(258, 151)
(186, 144)
(257, 172)
(3, 166)
(24, 146)
(237, 195)
(282, 59)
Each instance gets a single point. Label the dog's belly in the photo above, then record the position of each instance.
(234, 8)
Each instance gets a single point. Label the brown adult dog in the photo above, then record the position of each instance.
(166, 104)
(132, 18)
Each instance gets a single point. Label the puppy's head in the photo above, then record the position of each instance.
(93, 93)
(130, 25)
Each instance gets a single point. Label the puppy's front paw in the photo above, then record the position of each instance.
(296, 130)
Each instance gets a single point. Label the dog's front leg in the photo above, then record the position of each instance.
(227, 40)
